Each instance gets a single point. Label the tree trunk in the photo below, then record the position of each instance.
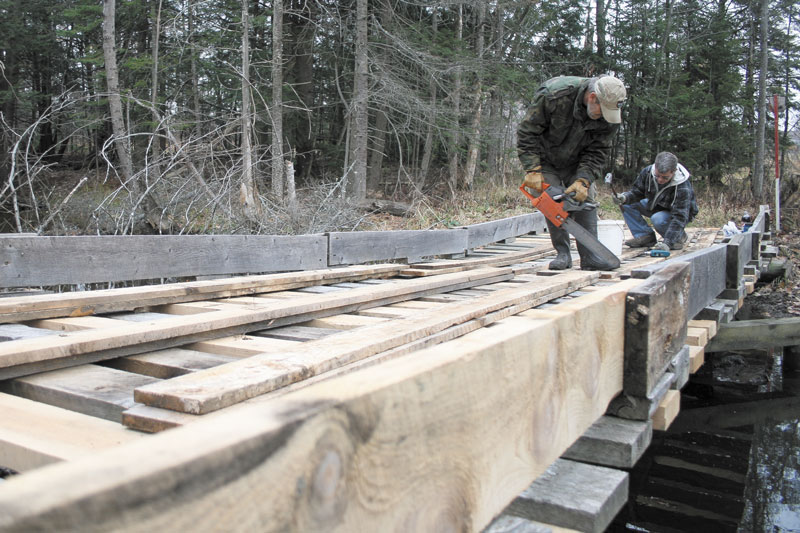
(454, 155)
(356, 171)
(140, 196)
(277, 101)
(156, 144)
(248, 193)
(428, 149)
(758, 169)
(475, 130)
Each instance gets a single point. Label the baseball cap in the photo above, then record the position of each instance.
(611, 95)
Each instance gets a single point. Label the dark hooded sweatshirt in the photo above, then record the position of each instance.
(676, 196)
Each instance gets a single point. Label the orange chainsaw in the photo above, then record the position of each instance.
(556, 207)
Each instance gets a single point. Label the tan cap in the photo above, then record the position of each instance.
(611, 95)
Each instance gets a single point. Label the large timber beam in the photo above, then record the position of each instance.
(756, 334)
(655, 327)
(440, 439)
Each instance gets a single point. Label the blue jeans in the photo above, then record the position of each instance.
(634, 217)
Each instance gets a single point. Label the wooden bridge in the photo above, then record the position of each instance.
(370, 381)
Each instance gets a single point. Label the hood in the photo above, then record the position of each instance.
(681, 175)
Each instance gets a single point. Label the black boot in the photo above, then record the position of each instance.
(560, 240)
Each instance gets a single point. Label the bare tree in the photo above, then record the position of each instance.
(277, 100)
(357, 170)
(758, 171)
(248, 193)
(117, 121)
(454, 154)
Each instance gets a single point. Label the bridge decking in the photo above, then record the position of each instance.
(405, 396)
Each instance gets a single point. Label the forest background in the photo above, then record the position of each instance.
(294, 116)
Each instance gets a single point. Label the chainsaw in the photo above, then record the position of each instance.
(556, 207)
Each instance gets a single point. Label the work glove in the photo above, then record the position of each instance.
(619, 199)
(581, 189)
(661, 246)
(534, 179)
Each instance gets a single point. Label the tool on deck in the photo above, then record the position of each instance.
(556, 207)
(659, 253)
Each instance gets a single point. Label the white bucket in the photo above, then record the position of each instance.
(610, 232)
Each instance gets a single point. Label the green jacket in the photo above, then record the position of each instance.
(557, 130)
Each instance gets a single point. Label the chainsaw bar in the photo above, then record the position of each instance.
(555, 212)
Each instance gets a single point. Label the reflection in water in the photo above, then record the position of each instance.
(772, 490)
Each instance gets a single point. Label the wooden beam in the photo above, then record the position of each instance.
(34, 434)
(24, 356)
(220, 387)
(28, 261)
(498, 230)
(19, 308)
(574, 495)
(424, 432)
(613, 442)
(89, 389)
(752, 334)
(655, 327)
(667, 410)
(355, 247)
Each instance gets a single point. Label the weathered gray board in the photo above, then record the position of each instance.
(613, 442)
(89, 389)
(574, 495)
(708, 275)
(655, 327)
(497, 230)
(351, 248)
(739, 252)
(29, 261)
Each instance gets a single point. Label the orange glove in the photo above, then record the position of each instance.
(581, 189)
(534, 179)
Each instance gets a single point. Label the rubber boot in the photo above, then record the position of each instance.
(590, 261)
(560, 240)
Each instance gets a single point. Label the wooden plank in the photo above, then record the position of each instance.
(349, 248)
(697, 357)
(296, 333)
(752, 334)
(21, 357)
(498, 230)
(345, 321)
(709, 325)
(225, 348)
(89, 259)
(89, 389)
(165, 364)
(613, 442)
(34, 434)
(220, 387)
(424, 431)
(696, 336)
(655, 327)
(507, 523)
(239, 346)
(667, 410)
(15, 309)
(574, 495)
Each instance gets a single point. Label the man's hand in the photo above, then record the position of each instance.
(534, 179)
(619, 199)
(581, 189)
(661, 246)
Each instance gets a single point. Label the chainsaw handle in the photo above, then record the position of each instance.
(531, 197)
